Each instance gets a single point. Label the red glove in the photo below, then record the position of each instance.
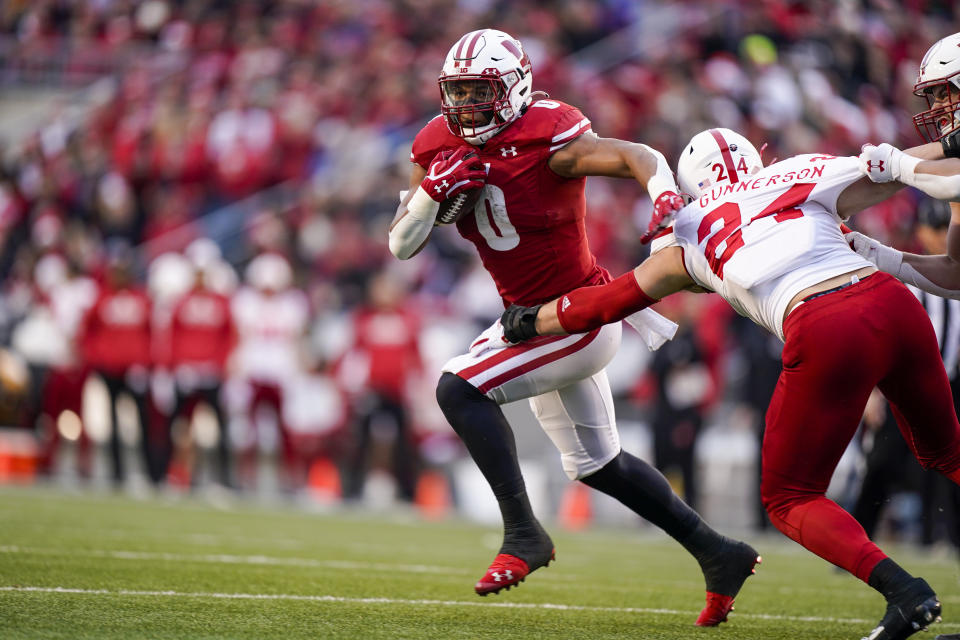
(664, 208)
(453, 171)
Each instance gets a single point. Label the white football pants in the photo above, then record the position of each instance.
(564, 379)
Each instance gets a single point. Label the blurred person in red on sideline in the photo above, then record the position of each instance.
(199, 339)
(116, 343)
(377, 371)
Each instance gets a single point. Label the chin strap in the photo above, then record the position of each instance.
(951, 144)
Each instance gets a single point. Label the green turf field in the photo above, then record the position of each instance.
(99, 566)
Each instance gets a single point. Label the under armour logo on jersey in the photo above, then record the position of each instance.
(508, 151)
(443, 185)
(875, 164)
(565, 303)
(506, 575)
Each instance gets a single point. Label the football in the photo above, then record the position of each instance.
(452, 208)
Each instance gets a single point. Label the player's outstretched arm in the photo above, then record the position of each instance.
(591, 155)
(928, 151)
(588, 308)
(938, 178)
(938, 274)
(887, 170)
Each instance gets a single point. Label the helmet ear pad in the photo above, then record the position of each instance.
(485, 56)
(714, 157)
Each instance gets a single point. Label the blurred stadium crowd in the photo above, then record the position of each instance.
(208, 227)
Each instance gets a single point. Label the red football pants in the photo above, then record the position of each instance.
(838, 348)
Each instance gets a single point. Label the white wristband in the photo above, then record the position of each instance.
(414, 227)
(889, 260)
(904, 167)
(886, 258)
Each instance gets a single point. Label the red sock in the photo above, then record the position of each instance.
(587, 308)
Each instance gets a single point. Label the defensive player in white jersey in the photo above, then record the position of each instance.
(768, 241)
(531, 157)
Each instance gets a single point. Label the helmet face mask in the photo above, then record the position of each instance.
(485, 83)
(939, 83)
(716, 157)
(472, 102)
(943, 109)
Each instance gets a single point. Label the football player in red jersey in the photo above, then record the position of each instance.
(531, 157)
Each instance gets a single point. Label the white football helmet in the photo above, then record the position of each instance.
(939, 83)
(485, 83)
(715, 156)
(269, 272)
(169, 276)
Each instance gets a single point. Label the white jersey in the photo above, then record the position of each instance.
(760, 241)
(270, 330)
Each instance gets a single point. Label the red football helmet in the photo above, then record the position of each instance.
(485, 83)
(939, 83)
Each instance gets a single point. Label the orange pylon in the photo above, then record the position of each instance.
(576, 512)
(432, 495)
(323, 480)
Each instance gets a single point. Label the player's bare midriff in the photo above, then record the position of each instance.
(829, 283)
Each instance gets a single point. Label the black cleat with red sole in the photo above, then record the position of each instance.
(725, 573)
(517, 559)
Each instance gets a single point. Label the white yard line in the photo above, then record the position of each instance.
(220, 558)
(428, 603)
(281, 561)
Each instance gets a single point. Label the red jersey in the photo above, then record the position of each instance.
(389, 340)
(202, 332)
(116, 331)
(529, 226)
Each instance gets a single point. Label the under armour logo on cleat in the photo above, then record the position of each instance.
(497, 576)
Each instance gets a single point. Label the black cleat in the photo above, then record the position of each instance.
(724, 574)
(914, 610)
(520, 555)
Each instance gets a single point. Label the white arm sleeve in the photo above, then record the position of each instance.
(662, 180)
(910, 275)
(940, 187)
(891, 261)
(413, 228)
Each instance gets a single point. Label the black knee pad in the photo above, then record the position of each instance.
(453, 392)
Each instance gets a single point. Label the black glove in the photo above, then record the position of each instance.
(519, 323)
(951, 144)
